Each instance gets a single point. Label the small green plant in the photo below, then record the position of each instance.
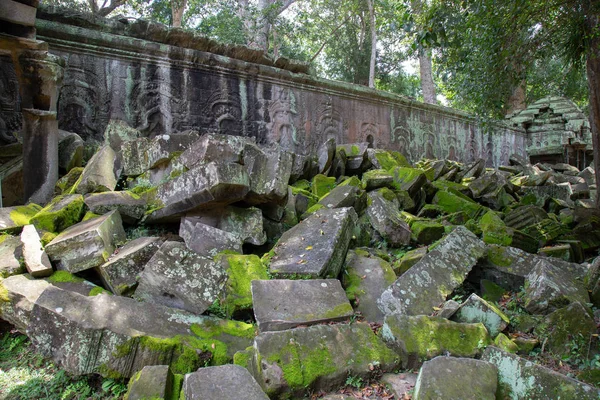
(217, 310)
(354, 381)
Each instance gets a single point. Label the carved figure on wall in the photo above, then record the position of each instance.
(329, 124)
(156, 107)
(281, 126)
(430, 146)
(10, 115)
(223, 113)
(403, 137)
(83, 101)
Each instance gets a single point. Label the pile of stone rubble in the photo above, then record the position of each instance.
(219, 268)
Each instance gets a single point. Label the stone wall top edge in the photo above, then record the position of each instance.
(74, 39)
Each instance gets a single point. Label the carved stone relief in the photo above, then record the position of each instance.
(282, 109)
(10, 113)
(329, 123)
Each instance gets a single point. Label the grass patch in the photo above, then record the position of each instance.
(25, 374)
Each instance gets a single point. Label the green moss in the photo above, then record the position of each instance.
(354, 150)
(241, 271)
(504, 343)
(109, 373)
(405, 177)
(491, 291)
(243, 358)
(65, 185)
(352, 284)
(21, 215)
(302, 365)
(176, 386)
(400, 159)
(452, 203)
(54, 218)
(96, 291)
(352, 181)
(3, 237)
(89, 215)
(426, 232)
(387, 194)
(301, 184)
(497, 255)
(3, 292)
(494, 230)
(311, 210)
(321, 185)
(386, 161)
(47, 237)
(63, 276)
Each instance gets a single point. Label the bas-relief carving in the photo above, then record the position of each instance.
(84, 99)
(10, 114)
(281, 127)
(329, 122)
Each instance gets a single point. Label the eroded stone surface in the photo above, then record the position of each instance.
(11, 251)
(475, 309)
(36, 260)
(87, 244)
(101, 173)
(427, 283)
(315, 247)
(284, 304)
(178, 277)
(152, 382)
(225, 382)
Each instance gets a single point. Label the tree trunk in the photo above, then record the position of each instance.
(516, 101)
(593, 77)
(373, 43)
(263, 26)
(427, 86)
(177, 9)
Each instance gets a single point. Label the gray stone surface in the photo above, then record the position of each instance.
(284, 304)
(87, 244)
(365, 278)
(325, 155)
(551, 287)
(206, 240)
(12, 219)
(70, 150)
(318, 357)
(22, 292)
(342, 196)
(152, 382)
(519, 378)
(427, 283)
(402, 384)
(101, 172)
(204, 186)
(245, 223)
(11, 251)
(131, 207)
(178, 277)
(456, 378)
(213, 147)
(120, 273)
(385, 218)
(36, 260)
(117, 336)
(475, 309)
(317, 246)
(225, 382)
(269, 170)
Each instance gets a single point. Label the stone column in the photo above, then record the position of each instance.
(40, 149)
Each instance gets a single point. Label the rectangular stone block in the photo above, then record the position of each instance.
(284, 304)
(36, 260)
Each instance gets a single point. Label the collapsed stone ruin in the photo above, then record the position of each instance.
(205, 264)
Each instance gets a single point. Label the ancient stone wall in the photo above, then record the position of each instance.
(162, 88)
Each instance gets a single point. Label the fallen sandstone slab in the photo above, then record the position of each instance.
(427, 283)
(225, 382)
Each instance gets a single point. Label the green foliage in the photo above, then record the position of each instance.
(354, 381)
(27, 375)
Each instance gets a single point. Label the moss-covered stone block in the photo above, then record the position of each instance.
(409, 179)
(426, 232)
(12, 219)
(475, 309)
(321, 185)
(376, 178)
(408, 260)
(66, 184)
(452, 203)
(241, 271)
(494, 231)
(61, 213)
(419, 338)
(504, 343)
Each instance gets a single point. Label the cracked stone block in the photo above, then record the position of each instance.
(364, 280)
(269, 170)
(22, 291)
(475, 309)
(551, 287)
(225, 382)
(36, 260)
(120, 273)
(11, 251)
(325, 155)
(62, 212)
(212, 147)
(117, 336)
(356, 155)
(206, 240)
(245, 223)
(180, 278)
(456, 378)
(204, 186)
(318, 357)
(70, 150)
(284, 304)
(87, 244)
(385, 218)
(131, 207)
(420, 337)
(12, 219)
(519, 378)
(101, 172)
(427, 283)
(317, 246)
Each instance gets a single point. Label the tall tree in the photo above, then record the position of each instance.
(425, 64)
(373, 29)
(177, 10)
